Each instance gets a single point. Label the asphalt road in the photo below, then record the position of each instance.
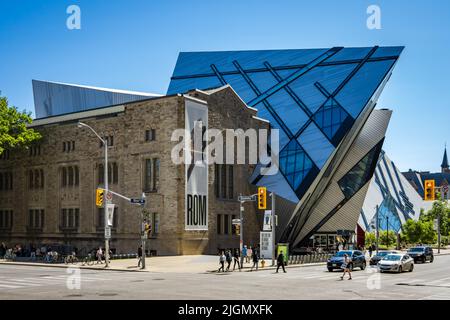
(427, 281)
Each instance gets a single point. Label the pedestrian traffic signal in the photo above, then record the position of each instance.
(429, 190)
(99, 197)
(262, 198)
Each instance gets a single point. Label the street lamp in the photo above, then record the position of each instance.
(105, 144)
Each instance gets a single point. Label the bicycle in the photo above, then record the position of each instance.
(71, 259)
(89, 260)
(9, 255)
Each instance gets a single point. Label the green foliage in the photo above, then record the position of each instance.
(442, 210)
(388, 239)
(370, 239)
(13, 127)
(419, 232)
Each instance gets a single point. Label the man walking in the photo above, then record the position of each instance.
(236, 260)
(229, 259)
(99, 255)
(370, 251)
(255, 259)
(280, 262)
(139, 256)
(222, 259)
(244, 254)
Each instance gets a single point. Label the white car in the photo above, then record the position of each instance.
(398, 262)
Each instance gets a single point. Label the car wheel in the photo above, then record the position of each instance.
(400, 269)
(432, 259)
(363, 266)
(330, 269)
(411, 268)
(424, 259)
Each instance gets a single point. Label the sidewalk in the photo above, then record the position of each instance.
(169, 264)
(173, 264)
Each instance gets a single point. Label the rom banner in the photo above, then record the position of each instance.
(196, 170)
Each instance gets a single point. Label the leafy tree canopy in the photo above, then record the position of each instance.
(13, 127)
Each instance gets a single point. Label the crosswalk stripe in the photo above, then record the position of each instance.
(7, 286)
(24, 282)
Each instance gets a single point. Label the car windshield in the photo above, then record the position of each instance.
(383, 253)
(392, 257)
(342, 253)
(416, 250)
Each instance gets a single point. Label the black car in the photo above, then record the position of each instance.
(421, 254)
(358, 260)
(380, 255)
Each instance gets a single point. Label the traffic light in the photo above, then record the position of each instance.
(99, 197)
(429, 190)
(262, 198)
(148, 229)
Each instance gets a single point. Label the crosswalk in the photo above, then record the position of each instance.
(359, 276)
(42, 281)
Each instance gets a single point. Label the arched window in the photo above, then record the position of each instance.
(42, 178)
(77, 176)
(101, 174)
(64, 176)
(37, 182)
(71, 176)
(115, 173)
(31, 179)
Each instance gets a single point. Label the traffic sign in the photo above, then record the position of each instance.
(109, 196)
(138, 201)
(246, 198)
(108, 233)
(236, 221)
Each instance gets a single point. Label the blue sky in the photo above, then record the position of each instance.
(134, 45)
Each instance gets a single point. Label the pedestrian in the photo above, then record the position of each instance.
(139, 256)
(255, 259)
(244, 253)
(249, 255)
(2, 250)
(229, 259)
(370, 251)
(222, 259)
(236, 260)
(99, 255)
(346, 266)
(280, 262)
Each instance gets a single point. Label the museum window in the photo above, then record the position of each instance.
(70, 176)
(226, 224)
(68, 146)
(35, 179)
(34, 150)
(224, 181)
(151, 175)
(219, 224)
(150, 135)
(70, 218)
(101, 218)
(233, 226)
(109, 141)
(36, 218)
(154, 222)
(6, 219)
(5, 155)
(6, 181)
(113, 173)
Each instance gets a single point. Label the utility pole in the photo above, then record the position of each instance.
(387, 232)
(143, 240)
(273, 229)
(377, 228)
(241, 229)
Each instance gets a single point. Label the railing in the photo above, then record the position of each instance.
(309, 258)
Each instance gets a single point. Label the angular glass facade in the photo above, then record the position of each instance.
(313, 96)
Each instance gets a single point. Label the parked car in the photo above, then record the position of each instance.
(358, 260)
(381, 254)
(397, 262)
(421, 254)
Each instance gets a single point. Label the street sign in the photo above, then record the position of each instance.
(246, 198)
(110, 214)
(108, 233)
(236, 221)
(436, 224)
(109, 196)
(138, 201)
(267, 225)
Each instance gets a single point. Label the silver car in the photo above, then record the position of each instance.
(398, 262)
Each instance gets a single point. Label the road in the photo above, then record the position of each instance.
(428, 281)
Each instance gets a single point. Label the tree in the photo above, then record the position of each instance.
(440, 209)
(388, 239)
(13, 127)
(370, 239)
(419, 231)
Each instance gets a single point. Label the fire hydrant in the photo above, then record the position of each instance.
(263, 263)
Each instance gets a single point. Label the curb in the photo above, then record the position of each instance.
(68, 266)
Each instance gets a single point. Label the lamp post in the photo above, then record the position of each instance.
(105, 144)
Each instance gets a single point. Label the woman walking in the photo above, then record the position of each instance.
(346, 266)
(222, 262)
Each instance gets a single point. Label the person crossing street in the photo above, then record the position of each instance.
(280, 262)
